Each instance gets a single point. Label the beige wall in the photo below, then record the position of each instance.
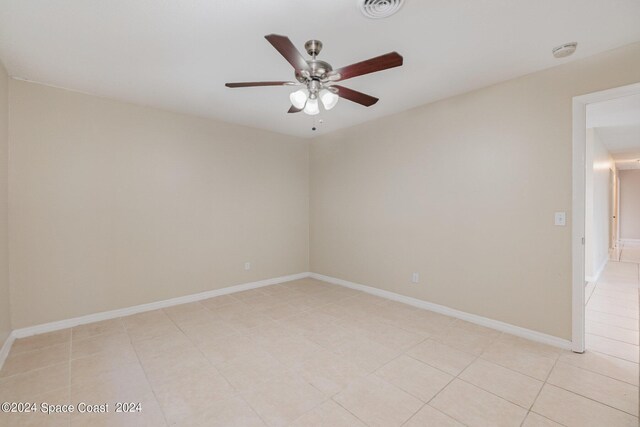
(5, 314)
(463, 191)
(114, 205)
(630, 204)
(598, 203)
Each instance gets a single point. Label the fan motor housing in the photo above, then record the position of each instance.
(318, 70)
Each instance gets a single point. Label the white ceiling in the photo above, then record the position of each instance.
(177, 55)
(617, 123)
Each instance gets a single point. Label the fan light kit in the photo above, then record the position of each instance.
(318, 78)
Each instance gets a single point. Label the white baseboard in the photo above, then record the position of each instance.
(473, 318)
(112, 314)
(596, 276)
(6, 348)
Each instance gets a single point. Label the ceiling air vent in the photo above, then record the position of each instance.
(377, 9)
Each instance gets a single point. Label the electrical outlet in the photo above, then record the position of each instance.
(415, 278)
(560, 218)
(247, 266)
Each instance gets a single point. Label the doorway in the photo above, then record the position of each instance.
(582, 238)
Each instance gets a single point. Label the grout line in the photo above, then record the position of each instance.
(613, 339)
(144, 371)
(540, 391)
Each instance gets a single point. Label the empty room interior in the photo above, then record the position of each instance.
(319, 213)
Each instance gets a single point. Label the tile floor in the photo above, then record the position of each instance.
(307, 353)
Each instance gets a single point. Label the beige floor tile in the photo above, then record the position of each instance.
(25, 387)
(614, 348)
(40, 341)
(231, 310)
(532, 347)
(367, 353)
(113, 366)
(429, 416)
(467, 337)
(148, 325)
(623, 269)
(249, 370)
(206, 331)
(131, 387)
(288, 348)
(187, 314)
(440, 356)
(377, 402)
(227, 348)
(282, 310)
(612, 319)
(233, 412)
(111, 326)
(535, 420)
(606, 307)
(616, 295)
(334, 337)
(309, 322)
(330, 374)
(264, 302)
(105, 343)
(248, 321)
(572, 410)
(167, 367)
(519, 358)
(293, 351)
(625, 302)
(188, 396)
(271, 331)
(612, 332)
(219, 301)
(388, 335)
(617, 394)
(19, 363)
(414, 377)
(610, 366)
(329, 414)
(510, 385)
(280, 401)
(475, 407)
(279, 291)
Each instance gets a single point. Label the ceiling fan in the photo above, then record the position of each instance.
(318, 77)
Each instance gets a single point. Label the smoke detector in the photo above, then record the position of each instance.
(378, 9)
(564, 50)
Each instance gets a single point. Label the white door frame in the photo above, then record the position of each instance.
(578, 204)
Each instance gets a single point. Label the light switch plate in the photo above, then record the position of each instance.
(560, 218)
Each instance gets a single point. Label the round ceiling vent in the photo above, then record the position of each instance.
(377, 9)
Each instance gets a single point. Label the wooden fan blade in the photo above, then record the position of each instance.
(252, 84)
(379, 63)
(288, 50)
(355, 96)
(294, 110)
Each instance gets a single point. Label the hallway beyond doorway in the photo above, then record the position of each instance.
(612, 308)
